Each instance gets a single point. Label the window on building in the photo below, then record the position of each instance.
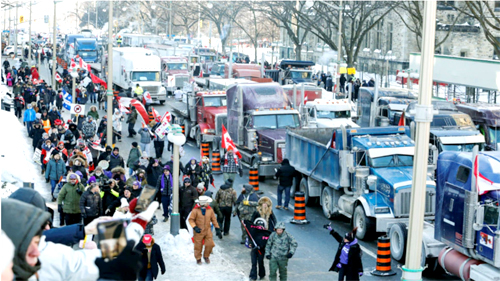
(497, 6)
(389, 36)
(378, 36)
(463, 54)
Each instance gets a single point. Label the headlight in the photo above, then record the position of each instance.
(208, 131)
(266, 159)
(382, 210)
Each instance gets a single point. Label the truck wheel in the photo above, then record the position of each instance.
(304, 187)
(186, 128)
(398, 235)
(326, 202)
(198, 138)
(162, 102)
(363, 223)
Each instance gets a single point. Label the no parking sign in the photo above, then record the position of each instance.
(77, 109)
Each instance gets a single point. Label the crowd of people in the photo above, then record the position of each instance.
(90, 180)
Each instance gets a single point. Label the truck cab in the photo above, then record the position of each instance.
(258, 116)
(211, 113)
(329, 113)
(174, 73)
(243, 70)
(69, 45)
(87, 49)
(295, 72)
(486, 117)
(451, 130)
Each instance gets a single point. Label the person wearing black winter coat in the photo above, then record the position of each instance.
(91, 204)
(347, 260)
(285, 173)
(104, 155)
(151, 258)
(74, 130)
(36, 134)
(153, 171)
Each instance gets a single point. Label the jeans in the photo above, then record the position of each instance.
(275, 265)
(159, 147)
(131, 131)
(287, 195)
(130, 171)
(29, 126)
(92, 96)
(165, 202)
(53, 184)
(145, 147)
(149, 276)
(257, 260)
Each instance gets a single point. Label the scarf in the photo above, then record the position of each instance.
(163, 181)
(235, 160)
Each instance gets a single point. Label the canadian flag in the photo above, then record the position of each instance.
(483, 184)
(147, 98)
(168, 116)
(156, 115)
(227, 142)
(72, 65)
(140, 108)
(122, 108)
(58, 77)
(84, 65)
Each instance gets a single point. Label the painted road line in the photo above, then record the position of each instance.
(276, 198)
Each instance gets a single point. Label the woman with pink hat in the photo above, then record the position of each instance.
(151, 258)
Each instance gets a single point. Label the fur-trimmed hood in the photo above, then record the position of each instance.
(118, 169)
(79, 157)
(265, 200)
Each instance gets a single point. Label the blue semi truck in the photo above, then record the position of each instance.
(364, 174)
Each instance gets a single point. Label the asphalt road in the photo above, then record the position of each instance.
(316, 249)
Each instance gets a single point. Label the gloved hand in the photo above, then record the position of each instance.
(245, 202)
(125, 266)
(290, 255)
(60, 208)
(329, 228)
(218, 233)
(268, 257)
(47, 180)
(162, 271)
(197, 229)
(360, 274)
(79, 191)
(107, 211)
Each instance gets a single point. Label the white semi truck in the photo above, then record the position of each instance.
(132, 66)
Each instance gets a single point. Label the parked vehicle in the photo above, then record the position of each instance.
(328, 113)
(364, 174)
(292, 72)
(133, 66)
(258, 115)
(69, 46)
(174, 73)
(487, 118)
(139, 40)
(87, 49)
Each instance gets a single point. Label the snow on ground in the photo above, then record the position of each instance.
(16, 156)
(178, 254)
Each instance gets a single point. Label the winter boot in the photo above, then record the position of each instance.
(198, 262)
(207, 260)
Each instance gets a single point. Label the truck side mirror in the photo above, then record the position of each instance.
(478, 224)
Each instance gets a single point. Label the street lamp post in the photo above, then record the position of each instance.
(73, 74)
(178, 139)
(15, 32)
(339, 48)
(109, 91)
(29, 40)
(54, 50)
(412, 270)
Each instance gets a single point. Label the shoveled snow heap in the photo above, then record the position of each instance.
(178, 254)
(16, 156)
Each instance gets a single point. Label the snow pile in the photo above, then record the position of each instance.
(178, 254)
(16, 154)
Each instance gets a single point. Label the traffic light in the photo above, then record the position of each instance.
(21, 19)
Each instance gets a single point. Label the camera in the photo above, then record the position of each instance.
(327, 225)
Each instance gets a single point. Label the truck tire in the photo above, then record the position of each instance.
(162, 102)
(304, 187)
(198, 138)
(186, 128)
(363, 223)
(326, 202)
(398, 235)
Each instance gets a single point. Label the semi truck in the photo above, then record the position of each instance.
(258, 116)
(132, 66)
(174, 73)
(451, 130)
(364, 174)
(292, 72)
(487, 118)
(467, 214)
(322, 113)
(87, 49)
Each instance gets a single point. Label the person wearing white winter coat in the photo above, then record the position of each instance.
(117, 124)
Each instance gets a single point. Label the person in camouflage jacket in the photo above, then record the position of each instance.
(226, 198)
(206, 172)
(279, 249)
(246, 205)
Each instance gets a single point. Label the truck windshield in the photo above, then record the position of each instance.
(85, 54)
(300, 74)
(276, 121)
(145, 76)
(459, 147)
(214, 101)
(494, 134)
(391, 161)
(177, 66)
(333, 114)
(207, 58)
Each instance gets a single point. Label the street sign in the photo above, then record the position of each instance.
(21, 19)
(6, 31)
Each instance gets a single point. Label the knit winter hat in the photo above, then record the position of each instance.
(116, 148)
(138, 183)
(91, 179)
(134, 144)
(73, 177)
(167, 167)
(248, 187)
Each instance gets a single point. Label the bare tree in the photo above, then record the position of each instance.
(285, 14)
(359, 18)
(411, 14)
(183, 15)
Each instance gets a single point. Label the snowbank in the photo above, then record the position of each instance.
(16, 153)
(178, 254)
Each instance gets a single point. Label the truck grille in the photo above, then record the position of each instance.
(179, 81)
(402, 203)
(153, 90)
(219, 120)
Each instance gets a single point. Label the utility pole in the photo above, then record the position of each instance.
(170, 20)
(15, 32)
(109, 92)
(339, 47)
(54, 49)
(29, 40)
(412, 270)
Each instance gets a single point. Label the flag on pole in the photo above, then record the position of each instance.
(68, 100)
(156, 115)
(122, 108)
(97, 80)
(140, 108)
(331, 142)
(72, 65)
(84, 65)
(402, 121)
(168, 116)
(227, 142)
(58, 77)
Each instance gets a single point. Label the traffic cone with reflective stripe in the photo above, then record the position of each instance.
(299, 212)
(383, 267)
